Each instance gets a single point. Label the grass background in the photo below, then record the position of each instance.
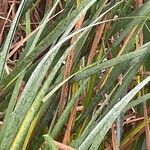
(74, 74)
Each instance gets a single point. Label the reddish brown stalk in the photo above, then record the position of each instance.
(21, 89)
(37, 16)
(50, 2)
(64, 92)
(67, 70)
(70, 125)
(3, 13)
(4, 25)
(14, 9)
(35, 19)
(114, 138)
(138, 3)
(108, 145)
(98, 35)
(63, 146)
(134, 120)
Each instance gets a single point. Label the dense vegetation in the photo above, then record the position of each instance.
(74, 74)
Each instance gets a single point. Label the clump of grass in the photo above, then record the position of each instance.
(74, 74)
